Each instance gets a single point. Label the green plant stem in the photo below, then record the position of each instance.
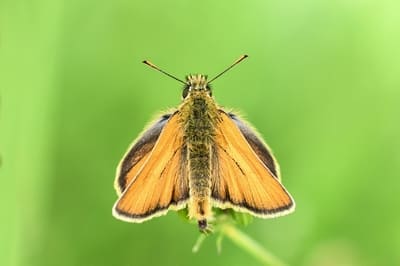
(199, 242)
(251, 246)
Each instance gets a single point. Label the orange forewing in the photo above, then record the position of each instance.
(240, 179)
(129, 176)
(138, 154)
(162, 181)
(257, 145)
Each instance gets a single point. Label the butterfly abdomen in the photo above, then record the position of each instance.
(199, 126)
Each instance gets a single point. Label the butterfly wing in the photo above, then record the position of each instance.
(259, 147)
(241, 179)
(161, 183)
(137, 154)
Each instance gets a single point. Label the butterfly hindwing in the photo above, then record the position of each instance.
(162, 181)
(240, 179)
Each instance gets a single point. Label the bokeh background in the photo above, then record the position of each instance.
(322, 85)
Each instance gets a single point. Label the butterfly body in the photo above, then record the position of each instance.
(199, 118)
(199, 157)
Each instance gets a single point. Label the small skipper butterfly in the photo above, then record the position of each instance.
(199, 156)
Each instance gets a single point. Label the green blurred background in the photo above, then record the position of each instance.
(322, 85)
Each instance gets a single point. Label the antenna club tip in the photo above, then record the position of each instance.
(245, 55)
(147, 62)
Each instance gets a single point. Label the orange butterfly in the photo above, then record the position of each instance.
(199, 157)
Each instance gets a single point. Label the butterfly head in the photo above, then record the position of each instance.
(196, 84)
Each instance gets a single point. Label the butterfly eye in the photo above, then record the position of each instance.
(185, 92)
(208, 88)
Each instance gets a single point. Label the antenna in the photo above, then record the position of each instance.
(150, 64)
(234, 64)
